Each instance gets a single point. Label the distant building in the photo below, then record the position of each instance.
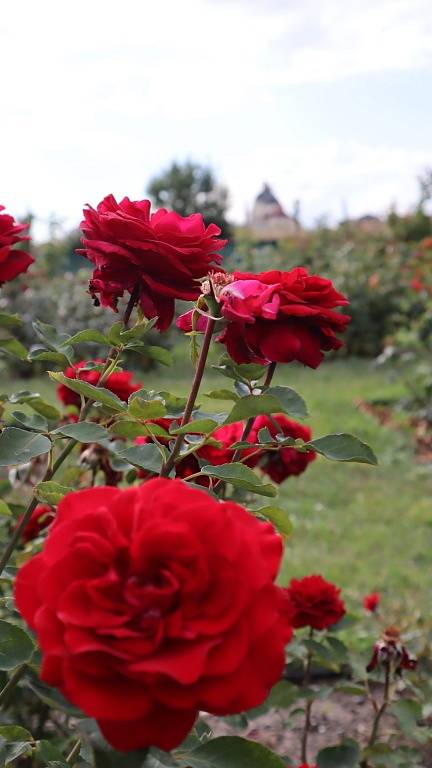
(369, 224)
(268, 221)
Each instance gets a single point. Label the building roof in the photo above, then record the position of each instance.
(266, 196)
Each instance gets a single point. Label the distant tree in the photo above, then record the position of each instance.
(191, 188)
(417, 225)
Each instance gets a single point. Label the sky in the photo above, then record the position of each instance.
(326, 100)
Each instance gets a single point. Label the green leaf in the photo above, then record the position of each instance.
(253, 405)
(13, 347)
(160, 354)
(18, 446)
(31, 421)
(10, 752)
(146, 456)
(241, 477)
(45, 409)
(16, 646)
(347, 755)
(222, 394)
(292, 403)
(98, 394)
(278, 517)
(49, 492)
(34, 401)
(15, 733)
(109, 758)
(7, 320)
(83, 432)
(146, 409)
(49, 754)
(343, 447)
(135, 429)
(232, 752)
(243, 372)
(408, 712)
(41, 353)
(175, 405)
(4, 509)
(200, 426)
(89, 335)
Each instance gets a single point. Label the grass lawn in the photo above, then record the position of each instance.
(364, 527)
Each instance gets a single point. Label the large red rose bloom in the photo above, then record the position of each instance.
(162, 253)
(13, 261)
(120, 383)
(280, 317)
(286, 462)
(140, 613)
(314, 602)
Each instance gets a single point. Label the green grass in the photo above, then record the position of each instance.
(364, 527)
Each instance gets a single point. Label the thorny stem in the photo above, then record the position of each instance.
(250, 422)
(70, 760)
(308, 711)
(169, 464)
(12, 682)
(380, 711)
(110, 363)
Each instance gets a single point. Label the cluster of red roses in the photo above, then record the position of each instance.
(154, 602)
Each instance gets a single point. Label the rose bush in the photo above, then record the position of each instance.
(141, 617)
(151, 600)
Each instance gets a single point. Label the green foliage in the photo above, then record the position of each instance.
(17, 446)
(16, 646)
(343, 447)
(240, 477)
(231, 752)
(347, 755)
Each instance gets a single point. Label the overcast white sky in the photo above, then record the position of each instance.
(327, 100)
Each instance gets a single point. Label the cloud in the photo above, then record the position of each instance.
(97, 96)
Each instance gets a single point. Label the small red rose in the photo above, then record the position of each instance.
(280, 317)
(13, 261)
(287, 461)
(162, 254)
(119, 382)
(371, 602)
(314, 602)
(140, 614)
(41, 517)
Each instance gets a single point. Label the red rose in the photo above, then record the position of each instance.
(314, 602)
(12, 261)
(41, 517)
(227, 435)
(372, 601)
(163, 253)
(280, 317)
(285, 462)
(120, 383)
(307, 765)
(140, 613)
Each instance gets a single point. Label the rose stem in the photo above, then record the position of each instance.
(12, 682)
(250, 422)
(169, 464)
(70, 760)
(110, 362)
(307, 723)
(380, 712)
